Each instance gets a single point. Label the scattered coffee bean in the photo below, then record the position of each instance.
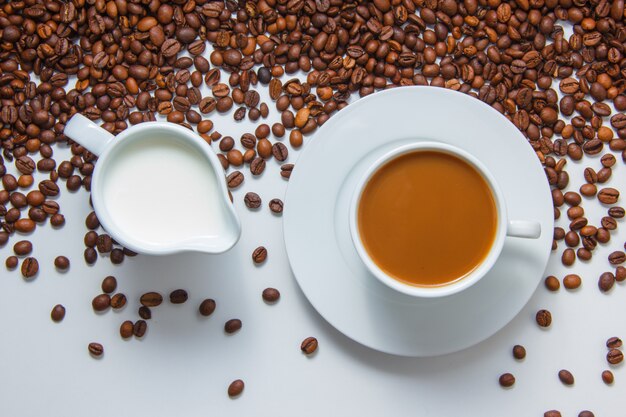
(235, 388)
(118, 301)
(552, 413)
(617, 257)
(61, 262)
(232, 325)
(151, 299)
(506, 380)
(606, 281)
(309, 345)
(614, 356)
(614, 342)
(207, 307)
(543, 318)
(271, 295)
(259, 255)
(607, 377)
(109, 284)
(126, 329)
(252, 200)
(30, 267)
(566, 377)
(58, 313)
(101, 302)
(276, 205)
(178, 296)
(552, 283)
(139, 328)
(571, 281)
(586, 413)
(145, 313)
(95, 349)
(11, 262)
(519, 352)
(22, 248)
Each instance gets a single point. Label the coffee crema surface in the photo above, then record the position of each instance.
(427, 218)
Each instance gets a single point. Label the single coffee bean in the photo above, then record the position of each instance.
(145, 313)
(257, 166)
(109, 284)
(552, 413)
(608, 195)
(30, 267)
(118, 301)
(586, 413)
(571, 281)
(620, 274)
(139, 328)
(234, 179)
(271, 295)
(617, 257)
(23, 247)
(58, 313)
(566, 377)
(568, 257)
(252, 200)
(614, 343)
(616, 212)
(614, 356)
(101, 302)
(178, 296)
(207, 307)
(280, 152)
(519, 352)
(506, 380)
(232, 325)
(309, 345)
(95, 349)
(259, 255)
(552, 283)
(126, 329)
(608, 223)
(11, 262)
(276, 205)
(572, 239)
(61, 262)
(235, 388)
(151, 299)
(543, 318)
(607, 377)
(606, 281)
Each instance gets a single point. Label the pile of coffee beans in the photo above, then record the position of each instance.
(125, 62)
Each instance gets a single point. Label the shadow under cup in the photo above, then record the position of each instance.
(427, 219)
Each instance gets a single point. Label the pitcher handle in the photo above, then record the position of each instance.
(524, 228)
(82, 130)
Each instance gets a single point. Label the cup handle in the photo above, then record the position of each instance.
(523, 228)
(82, 130)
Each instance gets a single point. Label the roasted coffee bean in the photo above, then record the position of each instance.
(101, 302)
(62, 263)
(11, 262)
(276, 205)
(58, 313)
(586, 413)
(232, 325)
(95, 349)
(309, 345)
(178, 296)
(571, 281)
(151, 299)
(259, 255)
(30, 267)
(271, 295)
(118, 301)
(616, 212)
(234, 179)
(543, 318)
(608, 196)
(552, 283)
(280, 152)
(566, 377)
(519, 352)
(568, 257)
(126, 329)
(109, 284)
(616, 258)
(139, 328)
(606, 281)
(257, 166)
(506, 380)
(607, 377)
(23, 247)
(235, 388)
(614, 356)
(207, 307)
(614, 342)
(286, 170)
(252, 200)
(552, 413)
(145, 313)
(620, 274)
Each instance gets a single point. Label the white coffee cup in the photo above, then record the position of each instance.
(504, 226)
(108, 148)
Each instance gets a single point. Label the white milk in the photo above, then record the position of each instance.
(162, 191)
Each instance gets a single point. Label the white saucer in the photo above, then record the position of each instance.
(317, 234)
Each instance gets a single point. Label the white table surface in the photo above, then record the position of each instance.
(185, 362)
